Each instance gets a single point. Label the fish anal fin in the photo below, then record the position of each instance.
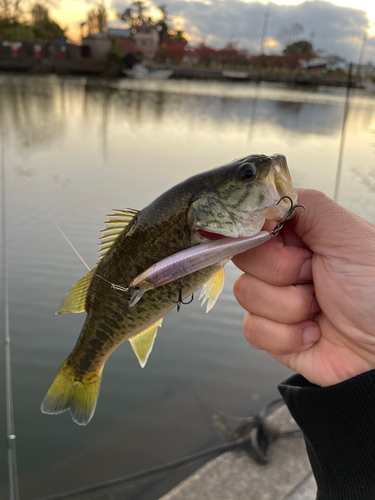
(114, 227)
(212, 289)
(143, 343)
(75, 300)
(67, 392)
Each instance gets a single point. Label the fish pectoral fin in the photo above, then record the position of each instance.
(75, 300)
(143, 343)
(212, 289)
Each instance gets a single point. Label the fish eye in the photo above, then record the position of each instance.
(248, 172)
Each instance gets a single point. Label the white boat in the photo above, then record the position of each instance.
(235, 75)
(368, 85)
(140, 72)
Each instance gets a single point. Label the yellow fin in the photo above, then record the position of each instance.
(75, 300)
(143, 343)
(212, 289)
(114, 227)
(69, 393)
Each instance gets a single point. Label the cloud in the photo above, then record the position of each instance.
(336, 30)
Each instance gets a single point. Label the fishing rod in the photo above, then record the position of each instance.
(342, 140)
(10, 428)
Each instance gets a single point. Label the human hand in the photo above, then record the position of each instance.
(309, 293)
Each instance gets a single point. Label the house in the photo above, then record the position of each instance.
(146, 37)
(125, 39)
(314, 65)
(98, 45)
(137, 39)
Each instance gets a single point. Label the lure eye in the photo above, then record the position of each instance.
(248, 172)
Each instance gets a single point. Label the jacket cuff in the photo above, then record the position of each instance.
(338, 423)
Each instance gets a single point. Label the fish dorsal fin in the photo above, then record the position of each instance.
(143, 343)
(114, 227)
(212, 289)
(75, 300)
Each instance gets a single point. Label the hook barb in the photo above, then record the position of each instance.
(280, 224)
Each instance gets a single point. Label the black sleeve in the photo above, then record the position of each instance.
(338, 423)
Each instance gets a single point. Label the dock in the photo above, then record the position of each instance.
(235, 475)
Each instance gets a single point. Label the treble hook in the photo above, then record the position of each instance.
(275, 231)
(179, 301)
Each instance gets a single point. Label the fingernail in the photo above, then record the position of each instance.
(311, 334)
(306, 271)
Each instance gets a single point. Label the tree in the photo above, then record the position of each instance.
(44, 28)
(301, 46)
(288, 35)
(97, 19)
(134, 15)
(10, 9)
(163, 24)
(39, 13)
(32, 24)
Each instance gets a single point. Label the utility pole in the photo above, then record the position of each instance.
(261, 51)
(362, 53)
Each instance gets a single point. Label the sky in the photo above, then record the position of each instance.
(333, 27)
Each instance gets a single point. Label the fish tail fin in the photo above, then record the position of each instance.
(77, 394)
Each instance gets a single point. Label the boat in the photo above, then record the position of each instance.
(141, 72)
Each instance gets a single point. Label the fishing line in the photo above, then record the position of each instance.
(10, 428)
(71, 244)
(113, 285)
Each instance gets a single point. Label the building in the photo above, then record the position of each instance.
(125, 40)
(314, 65)
(142, 39)
(146, 37)
(98, 46)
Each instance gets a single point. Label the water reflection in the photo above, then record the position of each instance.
(39, 110)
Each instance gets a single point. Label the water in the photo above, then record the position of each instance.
(75, 148)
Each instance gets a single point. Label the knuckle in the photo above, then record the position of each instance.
(242, 289)
(300, 305)
(238, 287)
(249, 331)
(254, 332)
(280, 271)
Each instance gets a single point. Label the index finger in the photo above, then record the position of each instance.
(276, 263)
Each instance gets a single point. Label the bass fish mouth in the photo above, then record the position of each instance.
(210, 236)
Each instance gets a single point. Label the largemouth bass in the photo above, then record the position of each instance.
(233, 200)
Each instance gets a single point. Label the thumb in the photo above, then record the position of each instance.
(328, 227)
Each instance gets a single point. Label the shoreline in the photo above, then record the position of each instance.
(93, 67)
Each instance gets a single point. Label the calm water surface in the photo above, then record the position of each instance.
(76, 148)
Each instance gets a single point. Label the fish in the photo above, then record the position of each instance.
(230, 201)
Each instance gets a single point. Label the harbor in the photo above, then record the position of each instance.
(101, 68)
(76, 147)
